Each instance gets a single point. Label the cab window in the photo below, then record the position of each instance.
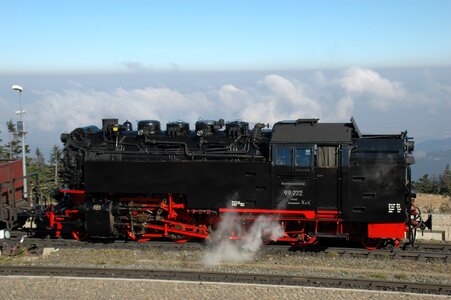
(283, 156)
(304, 157)
(326, 157)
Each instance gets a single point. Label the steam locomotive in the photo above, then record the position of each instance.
(318, 180)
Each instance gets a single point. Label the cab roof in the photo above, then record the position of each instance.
(311, 131)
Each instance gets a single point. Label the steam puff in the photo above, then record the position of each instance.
(221, 249)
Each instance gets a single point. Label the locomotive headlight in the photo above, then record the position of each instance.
(115, 129)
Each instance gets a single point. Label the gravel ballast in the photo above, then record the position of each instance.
(291, 263)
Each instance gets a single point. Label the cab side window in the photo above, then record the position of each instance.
(304, 157)
(283, 156)
(326, 157)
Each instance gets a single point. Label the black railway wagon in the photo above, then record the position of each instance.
(318, 180)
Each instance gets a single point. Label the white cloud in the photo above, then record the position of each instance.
(274, 99)
(319, 78)
(364, 83)
(73, 108)
(344, 109)
(330, 97)
(288, 99)
(271, 99)
(232, 99)
(443, 97)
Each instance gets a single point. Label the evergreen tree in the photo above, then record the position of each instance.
(55, 162)
(37, 165)
(445, 182)
(435, 185)
(14, 146)
(424, 184)
(2, 150)
(39, 157)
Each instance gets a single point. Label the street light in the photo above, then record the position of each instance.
(21, 128)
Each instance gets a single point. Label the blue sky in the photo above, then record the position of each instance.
(114, 36)
(387, 63)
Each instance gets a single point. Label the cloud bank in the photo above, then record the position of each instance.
(270, 99)
(368, 84)
(333, 97)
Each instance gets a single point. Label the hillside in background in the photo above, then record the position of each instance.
(429, 203)
(431, 157)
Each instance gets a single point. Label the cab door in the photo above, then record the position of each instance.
(293, 177)
(327, 177)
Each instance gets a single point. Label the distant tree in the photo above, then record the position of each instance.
(3, 154)
(37, 165)
(424, 185)
(445, 181)
(55, 162)
(39, 158)
(14, 146)
(435, 185)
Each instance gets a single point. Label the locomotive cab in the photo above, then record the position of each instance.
(306, 158)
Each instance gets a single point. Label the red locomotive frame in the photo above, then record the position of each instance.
(302, 227)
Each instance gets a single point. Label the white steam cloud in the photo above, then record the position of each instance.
(220, 249)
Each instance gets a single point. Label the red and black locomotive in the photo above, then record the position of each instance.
(319, 180)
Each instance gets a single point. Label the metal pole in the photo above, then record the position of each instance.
(24, 158)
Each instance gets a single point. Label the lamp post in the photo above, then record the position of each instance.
(21, 128)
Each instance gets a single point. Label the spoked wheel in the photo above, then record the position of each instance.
(184, 221)
(371, 244)
(79, 233)
(141, 238)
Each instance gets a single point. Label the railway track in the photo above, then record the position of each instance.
(290, 280)
(442, 254)
(423, 251)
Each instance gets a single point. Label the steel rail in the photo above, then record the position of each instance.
(196, 276)
(421, 251)
(445, 247)
(394, 253)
